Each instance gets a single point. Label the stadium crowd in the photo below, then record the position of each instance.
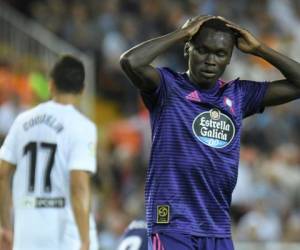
(266, 202)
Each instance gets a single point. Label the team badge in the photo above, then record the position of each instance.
(213, 128)
(229, 104)
(163, 214)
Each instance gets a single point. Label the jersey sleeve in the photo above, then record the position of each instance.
(252, 96)
(158, 97)
(8, 151)
(83, 149)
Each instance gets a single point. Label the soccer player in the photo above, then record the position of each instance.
(50, 153)
(196, 123)
(135, 236)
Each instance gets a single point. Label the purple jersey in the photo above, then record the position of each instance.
(195, 152)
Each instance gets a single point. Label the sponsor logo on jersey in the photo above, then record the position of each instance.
(41, 202)
(163, 214)
(50, 202)
(213, 128)
(28, 202)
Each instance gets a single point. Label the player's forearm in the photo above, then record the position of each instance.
(81, 209)
(143, 54)
(5, 207)
(288, 67)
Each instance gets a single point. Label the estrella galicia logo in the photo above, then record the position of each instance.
(214, 128)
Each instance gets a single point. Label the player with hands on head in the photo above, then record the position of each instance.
(50, 154)
(196, 120)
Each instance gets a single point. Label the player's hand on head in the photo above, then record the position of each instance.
(245, 40)
(192, 25)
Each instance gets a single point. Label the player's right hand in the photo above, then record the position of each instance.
(6, 239)
(85, 246)
(192, 25)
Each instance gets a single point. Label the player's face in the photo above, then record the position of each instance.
(209, 53)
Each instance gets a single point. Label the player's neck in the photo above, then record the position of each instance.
(201, 84)
(66, 99)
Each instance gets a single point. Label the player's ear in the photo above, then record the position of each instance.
(186, 49)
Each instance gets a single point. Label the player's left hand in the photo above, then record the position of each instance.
(246, 42)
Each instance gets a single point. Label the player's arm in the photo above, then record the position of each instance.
(82, 163)
(6, 172)
(136, 62)
(81, 200)
(285, 90)
(278, 92)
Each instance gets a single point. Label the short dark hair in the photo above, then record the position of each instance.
(218, 25)
(68, 74)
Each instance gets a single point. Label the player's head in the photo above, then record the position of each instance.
(209, 52)
(68, 75)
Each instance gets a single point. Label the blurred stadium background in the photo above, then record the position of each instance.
(266, 202)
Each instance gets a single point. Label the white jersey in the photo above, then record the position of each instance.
(46, 143)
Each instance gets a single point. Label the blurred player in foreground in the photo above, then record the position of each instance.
(50, 153)
(135, 236)
(196, 123)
